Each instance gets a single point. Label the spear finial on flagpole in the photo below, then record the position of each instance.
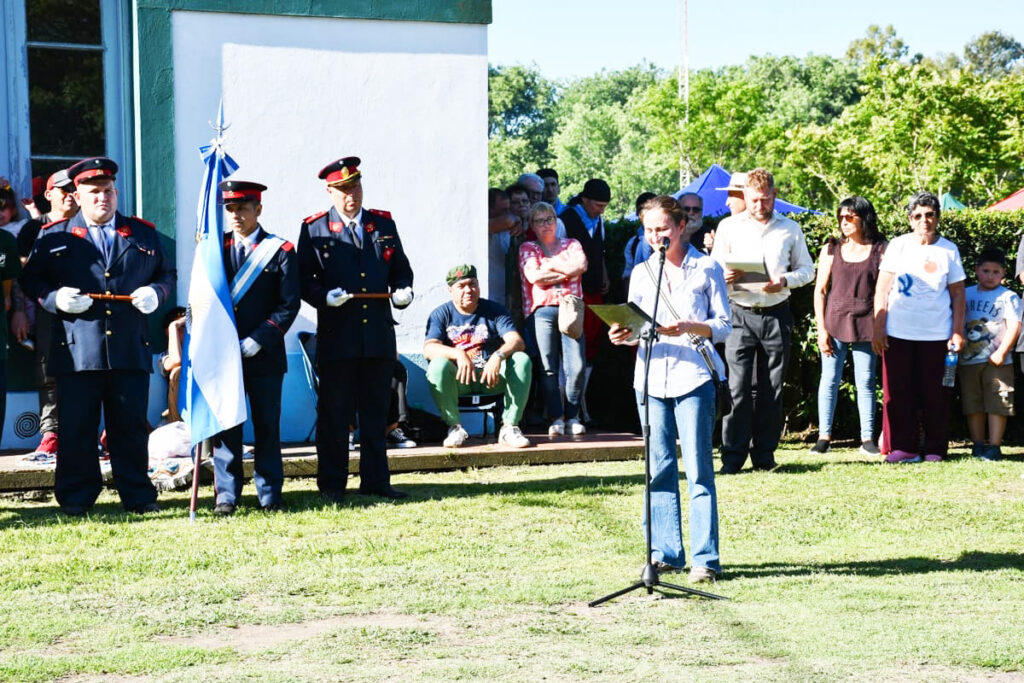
(220, 126)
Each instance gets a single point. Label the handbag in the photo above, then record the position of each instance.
(570, 315)
(723, 397)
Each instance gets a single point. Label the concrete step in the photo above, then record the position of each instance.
(300, 459)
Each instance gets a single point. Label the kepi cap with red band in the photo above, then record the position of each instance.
(94, 168)
(234, 191)
(342, 171)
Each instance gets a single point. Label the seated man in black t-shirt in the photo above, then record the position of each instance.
(473, 348)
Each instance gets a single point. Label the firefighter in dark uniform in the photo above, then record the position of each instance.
(345, 254)
(101, 354)
(264, 277)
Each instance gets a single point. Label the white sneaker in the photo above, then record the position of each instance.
(456, 437)
(510, 435)
(576, 427)
(557, 428)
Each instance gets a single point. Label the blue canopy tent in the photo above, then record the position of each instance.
(707, 184)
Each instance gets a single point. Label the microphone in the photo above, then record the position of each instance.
(664, 244)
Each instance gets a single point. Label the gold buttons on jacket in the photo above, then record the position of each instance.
(110, 332)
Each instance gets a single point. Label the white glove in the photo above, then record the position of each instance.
(337, 296)
(402, 297)
(250, 347)
(71, 300)
(145, 299)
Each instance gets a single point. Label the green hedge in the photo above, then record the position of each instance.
(972, 230)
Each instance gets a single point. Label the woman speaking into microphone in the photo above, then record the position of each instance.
(693, 313)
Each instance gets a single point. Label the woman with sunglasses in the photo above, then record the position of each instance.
(551, 267)
(919, 312)
(844, 295)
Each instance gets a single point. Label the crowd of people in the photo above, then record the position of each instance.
(91, 276)
(726, 291)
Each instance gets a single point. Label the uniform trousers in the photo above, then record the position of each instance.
(753, 426)
(123, 396)
(350, 387)
(264, 392)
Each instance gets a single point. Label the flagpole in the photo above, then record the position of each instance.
(213, 386)
(205, 448)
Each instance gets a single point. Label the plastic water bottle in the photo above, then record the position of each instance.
(949, 371)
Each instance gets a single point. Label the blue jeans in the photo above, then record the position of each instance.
(555, 349)
(864, 361)
(691, 418)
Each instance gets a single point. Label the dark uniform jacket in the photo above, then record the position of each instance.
(111, 335)
(593, 279)
(328, 258)
(268, 308)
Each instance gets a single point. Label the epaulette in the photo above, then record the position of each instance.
(380, 212)
(144, 222)
(315, 216)
(53, 223)
(287, 246)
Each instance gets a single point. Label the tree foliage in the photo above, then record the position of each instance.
(878, 122)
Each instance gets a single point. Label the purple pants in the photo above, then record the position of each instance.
(913, 397)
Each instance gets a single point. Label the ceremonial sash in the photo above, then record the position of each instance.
(254, 265)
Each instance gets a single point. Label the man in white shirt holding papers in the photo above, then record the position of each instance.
(764, 255)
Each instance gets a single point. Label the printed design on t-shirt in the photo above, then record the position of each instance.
(906, 282)
(470, 338)
(930, 266)
(982, 339)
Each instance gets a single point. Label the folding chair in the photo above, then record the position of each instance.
(307, 342)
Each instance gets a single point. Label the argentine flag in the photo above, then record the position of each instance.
(213, 395)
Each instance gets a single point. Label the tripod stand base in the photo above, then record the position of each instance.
(650, 580)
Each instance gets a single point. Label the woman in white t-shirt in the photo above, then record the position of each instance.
(919, 313)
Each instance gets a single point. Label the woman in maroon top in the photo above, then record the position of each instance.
(843, 308)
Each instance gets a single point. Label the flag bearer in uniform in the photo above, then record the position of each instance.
(101, 353)
(345, 254)
(264, 277)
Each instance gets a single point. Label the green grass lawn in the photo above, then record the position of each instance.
(837, 566)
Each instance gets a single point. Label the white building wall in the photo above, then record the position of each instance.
(409, 98)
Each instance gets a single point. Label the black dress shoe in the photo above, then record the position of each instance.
(74, 510)
(729, 470)
(390, 492)
(143, 509)
(224, 509)
(274, 507)
(333, 495)
(767, 467)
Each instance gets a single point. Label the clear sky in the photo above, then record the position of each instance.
(569, 38)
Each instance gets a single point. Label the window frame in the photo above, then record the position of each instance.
(118, 103)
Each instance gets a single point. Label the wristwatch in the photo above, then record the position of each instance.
(501, 354)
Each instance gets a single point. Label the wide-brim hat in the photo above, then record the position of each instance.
(737, 181)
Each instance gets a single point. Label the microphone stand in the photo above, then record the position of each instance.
(649, 578)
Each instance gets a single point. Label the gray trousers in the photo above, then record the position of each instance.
(757, 352)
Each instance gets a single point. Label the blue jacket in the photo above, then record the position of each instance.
(328, 258)
(269, 306)
(110, 335)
